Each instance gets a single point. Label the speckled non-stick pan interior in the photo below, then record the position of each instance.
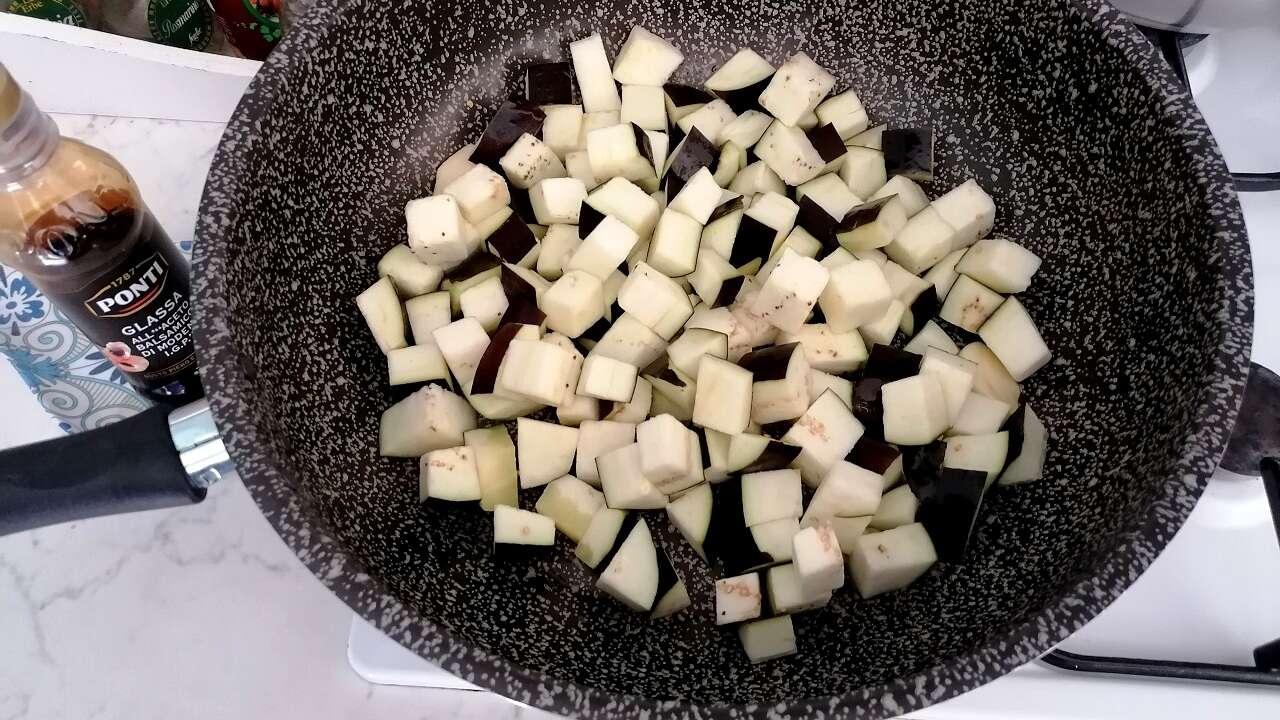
(1096, 161)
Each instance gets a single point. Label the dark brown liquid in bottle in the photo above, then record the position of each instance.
(115, 273)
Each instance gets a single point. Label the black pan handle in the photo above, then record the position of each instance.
(127, 466)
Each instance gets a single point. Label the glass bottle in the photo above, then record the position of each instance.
(72, 222)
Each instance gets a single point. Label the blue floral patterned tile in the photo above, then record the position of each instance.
(70, 377)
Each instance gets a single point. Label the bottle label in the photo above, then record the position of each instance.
(141, 315)
(181, 23)
(67, 12)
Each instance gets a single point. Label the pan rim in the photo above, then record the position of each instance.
(1079, 601)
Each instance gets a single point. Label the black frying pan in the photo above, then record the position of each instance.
(1096, 158)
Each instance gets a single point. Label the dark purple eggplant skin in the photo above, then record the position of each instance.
(745, 98)
(588, 219)
(667, 577)
(549, 83)
(888, 363)
(516, 287)
(923, 309)
(863, 214)
(950, 512)
(769, 363)
(695, 153)
(513, 119)
(686, 95)
(1016, 427)
(729, 542)
(827, 141)
(922, 466)
(868, 407)
(473, 266)
(874, 455)
(908, 152)
(729, 290)
(753, 242)
(513, 239)
(775, 456)
(491, 360)
(724, 208)
(818, 222)
(522, 206)
(642, 142)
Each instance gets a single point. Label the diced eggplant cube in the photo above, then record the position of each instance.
(621, 199)
(578, 410)
(536, 370)
(557, 246)
(673, 251)
(943, 275)
(684, 99)
(596, 437)
(604, 249)
(856, 294)
(578, 164)
(710, 120)
(595, 77)
(799, 241)
(495, 457)
(416, 364)
(513, 526)
(430, 419)
(780, 391)
(574, 302)
(691, 515)
(675, 599)
(923, 241)
(968, 209)
(905, 286)
(592, 121)
(821, 382)
(630, 341)
(774, 538)
(890, 560)
(571, 503)
(513, 119)
(530, 161)
(1000, 264)
(915, 410)
(847, 490)
(788, 152)
(796, 89)
(786, 593)
(723, 398)
(992, 378)
(384, 315)
(980, 415)
(1011, 334)
(409, 274)
(614, 152)
(831, 194)
(1028, 464)
(845, 112)
(600, 537)
(699, 197)
(685, 353)
(826, 432)
(771, 495)
(863, 171)
(817, 558)
(664, 448)
(744, 69)
(606, 379)
(828, 350)
(562, 128)
(970, 304)
(984, 453)
(435, 227)
(486, 302)
(449, 474)
(881, 331)
(477, 194)
(874, 224)
(848, 530)
(954, 375)
(768, 639)
(462, 343)
(694, 477)
(879, 457)
(909, 151)
(757, 177)
(558, 200)
(655, 300)
(931, 335)
(544, 451)
(645, 59)
(709, 278)
(645, 106)
(775, 211)
(454, 167)
(738, 599)
(909, 196)
(635, 409)
(624, 483)
(747, 129)
(632, 574)
(897, 508)
(791, 291)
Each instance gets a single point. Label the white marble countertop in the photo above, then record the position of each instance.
(194, 613)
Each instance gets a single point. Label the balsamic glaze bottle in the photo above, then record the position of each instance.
(72, 222)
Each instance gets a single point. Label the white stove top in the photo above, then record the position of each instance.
(1211, 596)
